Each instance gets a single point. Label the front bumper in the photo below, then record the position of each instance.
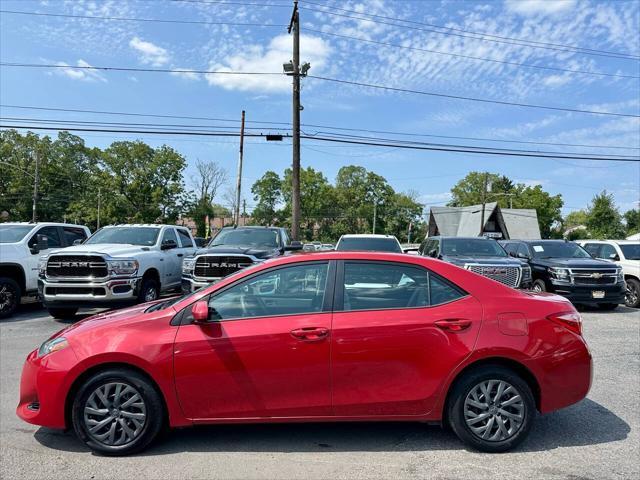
(190, 284)
(44, 388)
(584, 293)
(89, 294)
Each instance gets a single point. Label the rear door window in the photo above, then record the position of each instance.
(185, 239)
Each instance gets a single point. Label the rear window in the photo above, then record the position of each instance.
(369, 245)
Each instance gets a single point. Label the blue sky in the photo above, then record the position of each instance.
(609, 26)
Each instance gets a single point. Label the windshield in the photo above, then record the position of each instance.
(631, 250)
(472, 247)
(558, 250)
(145, 236)
(247, 237)
(14, 233)
(365, 244)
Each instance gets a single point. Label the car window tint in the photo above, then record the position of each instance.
(607, 252)
(442, 291)
(374, 286)
(51, 233)
(523, 250)
(284, 291)
(73, 234)
(169, 234)
(185, 238)
(592, 248)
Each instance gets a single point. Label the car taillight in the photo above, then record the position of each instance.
(569, 320)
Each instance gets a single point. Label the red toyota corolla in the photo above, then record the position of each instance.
(339, 336)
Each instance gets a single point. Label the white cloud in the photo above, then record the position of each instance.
(557, 80)
(150, 53)
(84, 74)
(542, 7)
(185, 74)
(256, 58)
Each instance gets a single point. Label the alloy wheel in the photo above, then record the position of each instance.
(115, 414)
(151, 294)
(494, 410)
(631, 294)
(7, 297)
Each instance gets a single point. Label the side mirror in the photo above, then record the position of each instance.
(523, 256)
(168, 245)
(294, 245)
(42, 243)
(433, 253)
(614, 256)
(78, 241)
(200, 312)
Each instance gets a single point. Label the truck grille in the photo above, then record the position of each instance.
(77, 266)
(594, 277)
(214, 266)
(506, 275)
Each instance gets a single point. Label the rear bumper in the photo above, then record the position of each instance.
(584, 294)
(120, 291)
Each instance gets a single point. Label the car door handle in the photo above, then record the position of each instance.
(453, 324)
(180, 254)
(310, 334)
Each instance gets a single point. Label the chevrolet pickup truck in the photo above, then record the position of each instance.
(117, 265)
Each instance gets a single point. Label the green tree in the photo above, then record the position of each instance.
(267, 192)
(603, 218)
(575, 219)
(632, 219)
(470, 190)
(547, 206)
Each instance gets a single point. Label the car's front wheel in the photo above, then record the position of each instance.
(539, 286)
(117, 412)
(491, 409)
(632, 295)
(10, 295)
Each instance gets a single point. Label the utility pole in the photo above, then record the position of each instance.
(484, 201)
(244, 212)
(99, 198)
(375, 211)
(294, 26)
(35, 188)
(239, 184)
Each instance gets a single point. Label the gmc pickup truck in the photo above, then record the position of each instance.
(21, 244)
(117, 265)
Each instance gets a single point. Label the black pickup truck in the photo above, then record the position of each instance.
(480, 255)
(233, 249)
(565, 268)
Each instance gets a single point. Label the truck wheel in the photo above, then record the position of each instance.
(149, 291)
(62, 313)
(539, 286)
(632, 296)
(10, 295)
(607, 306)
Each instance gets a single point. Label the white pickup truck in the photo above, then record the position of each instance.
(625, 253)
(21, 245)
(116, 266)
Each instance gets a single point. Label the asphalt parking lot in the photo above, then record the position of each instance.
(595, 439)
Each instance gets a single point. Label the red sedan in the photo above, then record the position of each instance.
(337, 336)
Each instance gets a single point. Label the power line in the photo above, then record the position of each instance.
(135, 69)
(468, 34)
(347, 129)
(471, 57)
(132, 19)
(447, 148)
(472, 99)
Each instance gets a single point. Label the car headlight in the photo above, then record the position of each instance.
(620, 275)
(561, 274)
(123, 267)
(52, 345)
(42, 264)
(188, 264)
(526, 273)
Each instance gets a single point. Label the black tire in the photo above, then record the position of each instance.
(62, 313)
(539, 286)
(463, 390)
(607, 306)
(632, 297)
(152, 407)
(10, 295)
(148, 286)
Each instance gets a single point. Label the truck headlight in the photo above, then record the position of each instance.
(526, 273)
(620, 275)
(42, 264)
(123, 267)
(52, 345)
(561, 274)
(188, 264)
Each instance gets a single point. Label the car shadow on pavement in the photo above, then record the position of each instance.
(587, 423)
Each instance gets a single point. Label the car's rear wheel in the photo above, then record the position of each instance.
(10, 295)
(491, 409)
(62, 313)
(632, 296)
(539, 286)
(117, 412)
(607, 306)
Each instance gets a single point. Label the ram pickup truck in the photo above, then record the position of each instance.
(565, 268)
(481, 255)
(21, 244)
(626, 254)
(117, 265)
(233, 249)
